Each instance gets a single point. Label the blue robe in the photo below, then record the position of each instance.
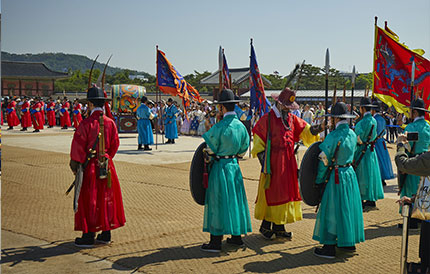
(226, 206)
(170, 122)
(368, 173)
(384, 159)
(144, 127)
(422, 145)
(340, 215)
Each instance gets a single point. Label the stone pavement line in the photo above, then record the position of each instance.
(163, 230)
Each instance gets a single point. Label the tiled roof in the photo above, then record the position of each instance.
(238, 76)
(317, 94)
(29, 70)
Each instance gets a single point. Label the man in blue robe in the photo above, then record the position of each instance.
(144, 127)
(380, 146)
(169, 116)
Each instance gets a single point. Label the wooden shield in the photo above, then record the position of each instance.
(311, 194)
(196, 175)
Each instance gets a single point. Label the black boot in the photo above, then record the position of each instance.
(24, 129)
(266, 230)
(281, 233)
(139, 147)
(147, 147)
(168, 141)
(173, 141)
(327, 251)
(36, 130)
(235, 240)
(87, 240)
(214, 245)
(10, 128)
(104, 237)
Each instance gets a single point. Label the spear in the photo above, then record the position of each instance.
(344, 93)
(412, 84)
(91, 72)
(327, 68)
(352, 93)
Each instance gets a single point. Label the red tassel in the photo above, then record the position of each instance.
(385, 145)
(336, 176)
(205, 180)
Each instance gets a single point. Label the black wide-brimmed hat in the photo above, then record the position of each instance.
(226, 97)
(376, 104)
(94, 94)
(419, 104)
(340, 110)
(366, 102)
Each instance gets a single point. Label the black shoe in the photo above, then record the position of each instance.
(36, 130)
(104, 237)
(24, 129)
(210, 247)
(328, 252)
(139, 147)
(147, 148)
(87, 240)
(168, 142)
(10, 128)
(347, 248)
(235, 240)
(284, 235)
(173, 141)
(267, 233)
(384, 183)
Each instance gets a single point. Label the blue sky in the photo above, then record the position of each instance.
(190, 31)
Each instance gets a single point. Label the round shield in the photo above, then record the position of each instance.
(307, 175)
(196, 175)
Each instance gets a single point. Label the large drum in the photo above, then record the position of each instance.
(125, 101)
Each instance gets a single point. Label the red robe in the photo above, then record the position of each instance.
(65, 116)
(77, 117)
(51, 114)
(42, 110)
(284, 185)
(99, 207)
(12, 118)
(26, 116)
(37, 117)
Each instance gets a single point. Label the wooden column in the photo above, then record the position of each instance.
(20, 88)
(37, 88)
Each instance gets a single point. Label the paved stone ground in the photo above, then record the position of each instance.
(163, 232)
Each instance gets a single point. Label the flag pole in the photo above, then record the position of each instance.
(157, 127)
(352, 93)
(250, 121)
(220, 66)
(327, 67)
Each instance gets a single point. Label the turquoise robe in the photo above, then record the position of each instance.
(170, 122)
(384, 159)
(144, 127)
(368, 172)
(340, 215)
(422, 145)
(226, 205)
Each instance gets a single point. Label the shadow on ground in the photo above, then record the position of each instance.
(36, 253)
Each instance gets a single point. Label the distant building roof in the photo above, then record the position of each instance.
(29, 70)
(238, 76)
(315, 94)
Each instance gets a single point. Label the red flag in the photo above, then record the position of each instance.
(392, 72)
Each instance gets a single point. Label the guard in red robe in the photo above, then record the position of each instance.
(64, 115)
(77, 117)
(36, 116)
(50, 111)
(25, 116)
(275, 134)
(11, 117)
(100, 206)
(42, 110)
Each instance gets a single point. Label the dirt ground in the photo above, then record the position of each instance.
(163, 233)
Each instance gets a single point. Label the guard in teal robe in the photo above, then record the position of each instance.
(368, 172)
(144, 127)
(384, 160)
(226, 206)
(339, 220)
(419, 125)
(171, 128)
